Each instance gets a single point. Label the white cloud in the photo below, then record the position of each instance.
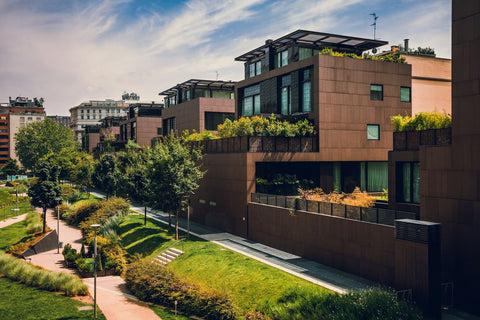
(94, 51)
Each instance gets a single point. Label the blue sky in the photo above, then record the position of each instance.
(71, 51)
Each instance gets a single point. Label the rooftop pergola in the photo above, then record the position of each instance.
(314, 39)
(210, 84)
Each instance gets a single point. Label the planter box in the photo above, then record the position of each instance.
(231, 145)
(369, 215)
(244, 144)
(272, 200)
(413, 140)
(290, 202)
(268, 144)
(444, 137)
(236, 144)
(301, 204)
(255, 144)
(281, 201)
(353, 212)
(427, 137)
(306, 144)
(399, 140)
(312, 206)
(338, 210)
(281, 144)
(294, 144)
(325, 208)
(386, 216)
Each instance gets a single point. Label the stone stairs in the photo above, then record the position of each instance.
(167, 256)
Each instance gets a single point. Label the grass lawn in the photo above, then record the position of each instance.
(18, 301)
(12, 234)
(246, 281)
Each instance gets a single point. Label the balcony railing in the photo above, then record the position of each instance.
(260, 144)
(412, 140)
(366, 214)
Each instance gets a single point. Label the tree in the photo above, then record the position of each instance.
(106, 175)
(139, 186)
(40, 138)
(46, 190)
(82, 169)
(11, 168)
(174, 173)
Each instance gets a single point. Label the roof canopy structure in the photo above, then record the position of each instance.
(318, 40)
(212, 84)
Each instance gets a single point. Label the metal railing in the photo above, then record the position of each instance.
(366, 214)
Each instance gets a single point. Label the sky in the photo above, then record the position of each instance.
(70, 51)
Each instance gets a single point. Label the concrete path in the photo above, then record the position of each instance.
(12, 220)
(113, 297)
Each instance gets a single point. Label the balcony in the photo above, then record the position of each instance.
(412, 140)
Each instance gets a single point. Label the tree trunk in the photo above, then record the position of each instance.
(44, 219)
(169, 220)
(145, 215)
(176, 225)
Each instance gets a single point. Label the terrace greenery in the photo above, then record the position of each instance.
(356, 198)
(31, 275)
(255, 126)
(19, 301)
(391, 57)
(422, 121)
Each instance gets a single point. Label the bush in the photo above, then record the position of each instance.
(155, 283)
(70, 255)
(422, 121)
(33, 276)
(356, 198)
(296, 303)
(34, 222)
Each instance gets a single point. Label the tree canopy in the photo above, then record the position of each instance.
(46, 190)
(106, 175)
(40, 138)
(174, 173)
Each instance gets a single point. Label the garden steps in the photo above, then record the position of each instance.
(167, 256)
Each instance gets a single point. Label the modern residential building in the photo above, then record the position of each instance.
(431, 79)
(91, 138)
(437, 172)
(65, 120)
(348, 100)
(16, 114)
(93, 111)
(197, 105)
(109, 134)
(143, 122)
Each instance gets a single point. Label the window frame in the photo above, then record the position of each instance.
(370, 125)
(409, 94)
(373, 94)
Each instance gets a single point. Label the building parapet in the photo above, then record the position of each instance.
(412, 140)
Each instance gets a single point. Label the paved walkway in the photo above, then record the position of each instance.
(12, 220)
(113, 297)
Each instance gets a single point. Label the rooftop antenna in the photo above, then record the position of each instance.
(374, 24)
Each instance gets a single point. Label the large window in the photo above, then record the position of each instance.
(286, 96)
(169, 125)
(405, 94)
(255, 68)
(281, 59)
(408, 182)
(376, 92)
(213, 119)
(304, 53)
(251, 101)
(306, 95)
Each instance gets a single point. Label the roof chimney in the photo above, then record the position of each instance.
(268, 41)
(405, 44)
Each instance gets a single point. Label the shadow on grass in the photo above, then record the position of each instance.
(148, 246)
(139, 234)
(126, 227)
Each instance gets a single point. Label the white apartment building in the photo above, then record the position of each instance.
(90, 113)
(20, 120)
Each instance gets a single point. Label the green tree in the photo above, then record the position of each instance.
(40, 138)
(11, 168)
(82, 169)
(47, 189)
(106, 175)
(174, 173)
(139, 186)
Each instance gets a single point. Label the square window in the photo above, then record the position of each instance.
(376, 92)
(405, 94)
(373, 132)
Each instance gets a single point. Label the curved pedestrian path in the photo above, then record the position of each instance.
(113, 298)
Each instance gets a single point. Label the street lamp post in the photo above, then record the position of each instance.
(95, 227)
(59, 200)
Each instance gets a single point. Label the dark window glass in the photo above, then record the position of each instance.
(376, 92)
(213, 119)
(405, 94)
(373, 132)
(408, 182)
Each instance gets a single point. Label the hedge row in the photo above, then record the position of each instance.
(154, 283)
(30, 275)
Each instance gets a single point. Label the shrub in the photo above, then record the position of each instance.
(70, 255)
(356, 198)
(31, 275)
(34, 222)
(296, 303)
(155, 283)
(421, 121)
(81, 212)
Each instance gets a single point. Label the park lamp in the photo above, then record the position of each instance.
(58, 200)
(95, 227)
